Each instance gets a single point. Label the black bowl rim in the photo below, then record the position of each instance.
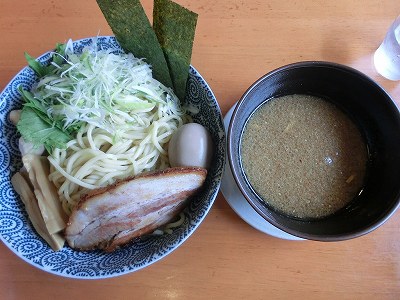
(325, 238)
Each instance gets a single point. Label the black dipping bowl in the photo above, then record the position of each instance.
(378, 119)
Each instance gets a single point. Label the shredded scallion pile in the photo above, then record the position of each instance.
(95, 87)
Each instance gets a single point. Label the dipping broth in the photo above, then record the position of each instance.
(303, 156)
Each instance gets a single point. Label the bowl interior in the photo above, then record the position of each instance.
(378, 119)
(17, 232)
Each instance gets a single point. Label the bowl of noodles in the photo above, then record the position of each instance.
(17, 231)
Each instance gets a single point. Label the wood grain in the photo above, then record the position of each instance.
(236, 42)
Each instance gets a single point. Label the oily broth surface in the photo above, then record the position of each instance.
(303, 156)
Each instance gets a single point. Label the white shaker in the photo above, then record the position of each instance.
(387, 56)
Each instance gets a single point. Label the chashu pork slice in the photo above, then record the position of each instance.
(111, 216)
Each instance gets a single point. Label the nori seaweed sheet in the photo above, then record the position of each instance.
(175, 28)
(134, 33)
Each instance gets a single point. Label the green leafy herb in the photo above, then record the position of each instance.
(39, 132)
(43, 70)
(58, 55)
(175, 28)
(133, 31)
(36, 66)
(31, 101)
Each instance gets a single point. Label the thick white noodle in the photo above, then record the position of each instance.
(95, 158)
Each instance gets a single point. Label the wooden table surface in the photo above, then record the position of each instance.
(236, 42)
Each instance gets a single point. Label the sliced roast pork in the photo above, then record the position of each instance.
(109, 217)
